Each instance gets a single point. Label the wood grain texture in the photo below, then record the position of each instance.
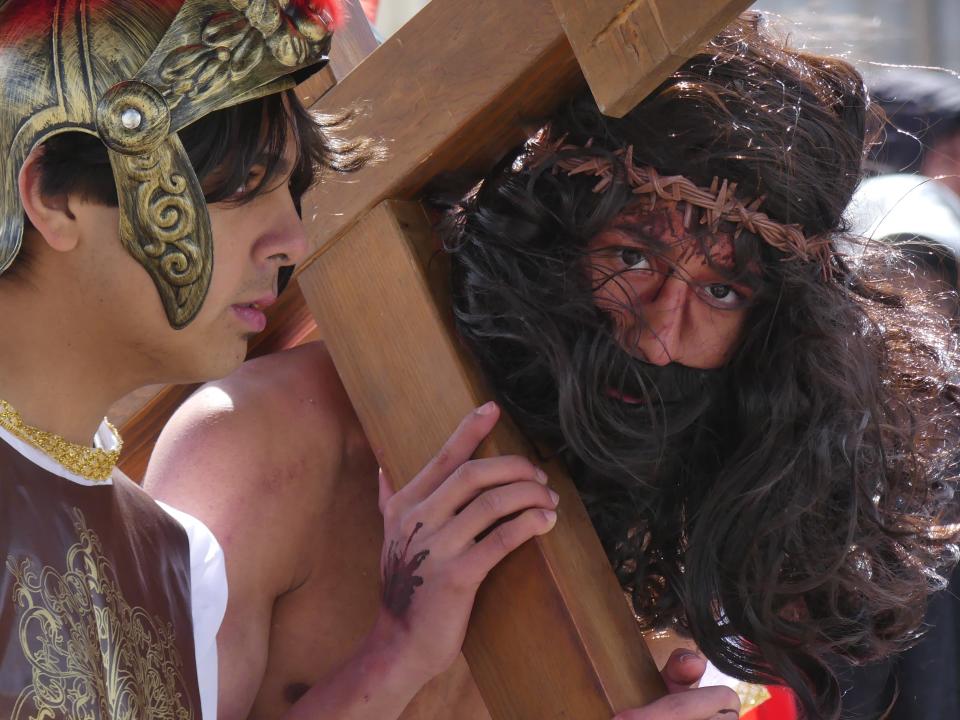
(352, 43)
(626, 49)
(551, 635)
(451, 91)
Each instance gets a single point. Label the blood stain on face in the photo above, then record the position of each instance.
(668, 283)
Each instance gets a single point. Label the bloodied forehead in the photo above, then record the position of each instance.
(674, 228)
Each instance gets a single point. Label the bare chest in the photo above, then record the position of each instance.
(317, 625)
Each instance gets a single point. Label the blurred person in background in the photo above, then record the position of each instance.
(920, 218)
(923, 107)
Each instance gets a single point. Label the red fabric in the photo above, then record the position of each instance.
(780, 706)
(370, 8)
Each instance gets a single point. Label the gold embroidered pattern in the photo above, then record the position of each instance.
(93, 655)
(87, 462)
(751, 696)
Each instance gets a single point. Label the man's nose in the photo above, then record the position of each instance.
(286, 243)
(661, 338)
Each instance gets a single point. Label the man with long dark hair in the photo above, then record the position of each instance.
(757, 424)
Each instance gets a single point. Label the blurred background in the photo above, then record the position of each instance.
(914, 32)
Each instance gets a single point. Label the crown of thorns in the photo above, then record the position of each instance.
(717, 203)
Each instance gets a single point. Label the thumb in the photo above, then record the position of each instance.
(683, 669)
(386, 490)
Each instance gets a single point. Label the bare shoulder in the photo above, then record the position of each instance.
(257, 449)
(282, 381)
(254, 418)
(296, 384)
(257, 457)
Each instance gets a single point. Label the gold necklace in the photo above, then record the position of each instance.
(89, 462)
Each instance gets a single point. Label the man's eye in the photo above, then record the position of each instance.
(253, 178)
(633, 259)
(723, 296)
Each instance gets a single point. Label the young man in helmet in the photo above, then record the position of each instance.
(150, 169)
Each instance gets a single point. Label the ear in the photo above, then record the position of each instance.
(50, 215)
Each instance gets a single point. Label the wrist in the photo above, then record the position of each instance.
(385, 655)
(377, 682)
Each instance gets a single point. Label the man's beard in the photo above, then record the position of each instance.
(627, 419)
(637, 439)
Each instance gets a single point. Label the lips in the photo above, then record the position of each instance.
(252, 313)
(623, 397)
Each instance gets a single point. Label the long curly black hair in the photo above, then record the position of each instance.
(786, 508)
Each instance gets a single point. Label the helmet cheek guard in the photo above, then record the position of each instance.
(214, 54)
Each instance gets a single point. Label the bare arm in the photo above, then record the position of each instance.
(247, 456)
(432, 566)
(209, 461)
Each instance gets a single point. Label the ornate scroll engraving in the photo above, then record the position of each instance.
(93, 655)
(234, 42)
(162, 224)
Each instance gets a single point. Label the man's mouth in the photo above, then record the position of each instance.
(624, 397)
(252, 314)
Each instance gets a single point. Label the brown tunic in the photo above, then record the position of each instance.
(95, 618)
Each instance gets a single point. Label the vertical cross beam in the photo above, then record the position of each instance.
(551, 635)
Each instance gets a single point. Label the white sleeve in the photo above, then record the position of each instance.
(713, 677)
(208, 600)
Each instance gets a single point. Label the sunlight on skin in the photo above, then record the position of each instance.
(215, 398)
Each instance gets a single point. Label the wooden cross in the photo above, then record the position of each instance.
(551, 636)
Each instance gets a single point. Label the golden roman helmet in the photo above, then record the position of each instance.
(134, 73)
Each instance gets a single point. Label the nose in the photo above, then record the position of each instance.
(663, 317)
(284, 241)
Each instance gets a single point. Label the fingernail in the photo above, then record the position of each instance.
(541, 476)
(687, 655)
(487, 408)
(554, 497)
(550, 516)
